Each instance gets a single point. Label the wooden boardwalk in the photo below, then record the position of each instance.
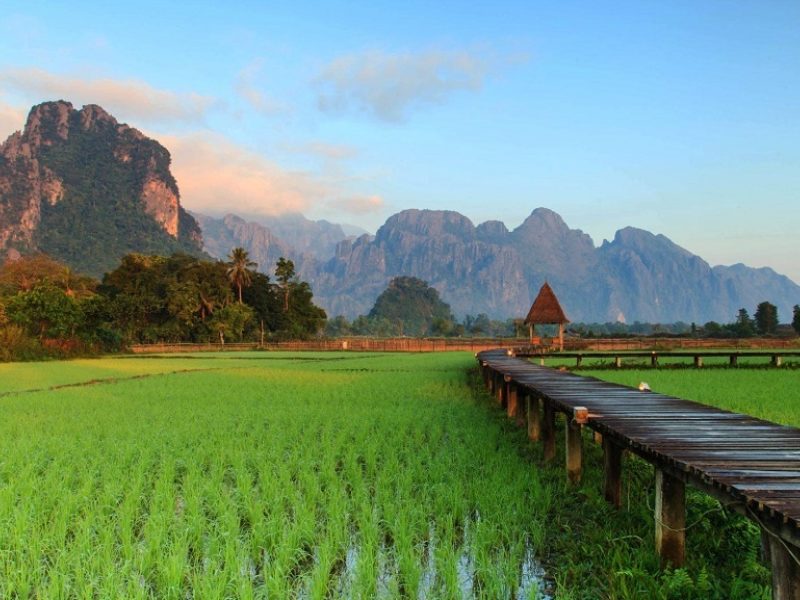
(752, 466)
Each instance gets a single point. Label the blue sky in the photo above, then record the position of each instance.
(682, 118)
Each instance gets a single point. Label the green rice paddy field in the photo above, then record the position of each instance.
(276, 475)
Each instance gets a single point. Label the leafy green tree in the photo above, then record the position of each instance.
(412, 303)
(796, 318)
(154, 298)
(338, 326)
(305, 318)
(28, 272)
(766, 318)
(239, 269)
(743, 326)
(284, 273)
(231, 320)
(263, 297)
(46, 312)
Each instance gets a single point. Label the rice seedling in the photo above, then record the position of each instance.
(259, 476)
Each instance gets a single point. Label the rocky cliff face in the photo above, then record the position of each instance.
(489, 269)
(86, 189)
(220, 236)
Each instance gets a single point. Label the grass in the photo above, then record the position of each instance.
(260, 476)
(771, 394)
(318, 475)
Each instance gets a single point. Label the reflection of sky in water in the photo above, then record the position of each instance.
(531, 578)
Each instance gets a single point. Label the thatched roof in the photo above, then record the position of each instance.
(546, 309)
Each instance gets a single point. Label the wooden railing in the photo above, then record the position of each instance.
(696, 356)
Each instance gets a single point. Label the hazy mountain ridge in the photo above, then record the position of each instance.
(489, 268)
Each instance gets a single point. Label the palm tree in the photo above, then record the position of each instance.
(239, 269)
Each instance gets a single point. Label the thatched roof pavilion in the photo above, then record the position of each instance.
(546, 310)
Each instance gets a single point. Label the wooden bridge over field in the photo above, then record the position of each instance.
(750, 465)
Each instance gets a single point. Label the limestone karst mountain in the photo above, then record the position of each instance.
(85, 189)
(489, 269)
(80, 186)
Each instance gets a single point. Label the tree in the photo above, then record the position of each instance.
(743, 327)
(231, 320)
(766, 318)
(796, 318)
(284, 273)
(414, 304)
(239, 269)
(45, 311)
(28, 272)
(305, 317)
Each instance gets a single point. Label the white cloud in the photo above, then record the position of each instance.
(358, 204)
(126, 99)
(247, 88)
(388, 86)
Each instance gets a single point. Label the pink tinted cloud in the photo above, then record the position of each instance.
(358, 204)
(129, 99)
(216, 175)
(11, 119)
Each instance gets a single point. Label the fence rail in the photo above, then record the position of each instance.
(363, 344)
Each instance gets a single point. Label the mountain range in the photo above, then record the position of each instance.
(86, 189)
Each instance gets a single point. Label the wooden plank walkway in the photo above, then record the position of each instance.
(750, 465)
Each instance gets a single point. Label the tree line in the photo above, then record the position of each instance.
(46, 308)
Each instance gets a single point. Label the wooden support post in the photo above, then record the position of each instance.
(549, 432)
(766, 555)
(618, 361)
(533, 406)
(785, 570)
(574, 447)
(490, 380)
(670, 518)
(512, 398)
(698, 361)
(500, 387)
(612, 467)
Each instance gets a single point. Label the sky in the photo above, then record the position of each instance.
(679, 117)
